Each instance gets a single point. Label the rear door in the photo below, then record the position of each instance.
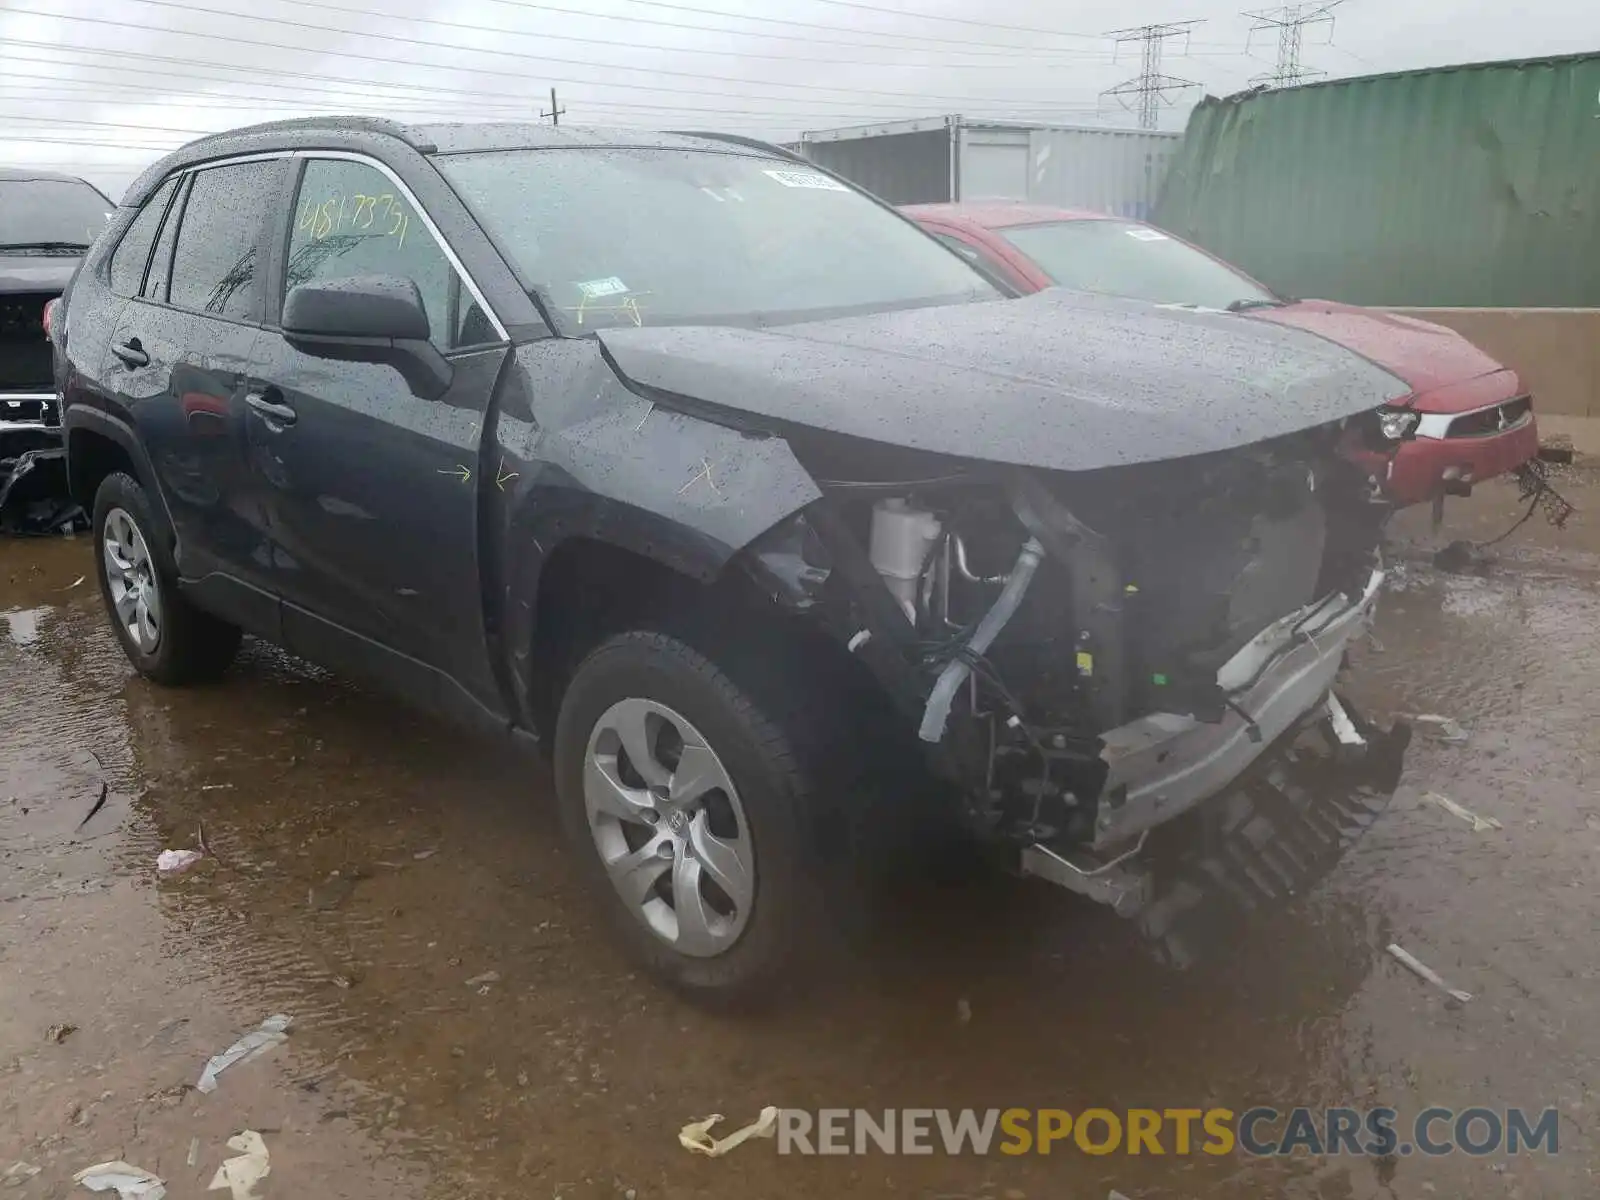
(177, 363)
(374, 489)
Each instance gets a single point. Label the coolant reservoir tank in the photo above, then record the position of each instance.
(901, 538)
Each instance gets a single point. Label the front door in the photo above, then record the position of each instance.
(178, 361)
(373, 489)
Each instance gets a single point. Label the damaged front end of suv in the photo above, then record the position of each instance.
(1122, 657)
(1128, 676)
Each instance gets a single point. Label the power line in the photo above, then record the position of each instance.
(1147, 92)
(971, 47)
(1290, 22)
(634, 45)
(180, 5)
(86, 92)
(1094, 37)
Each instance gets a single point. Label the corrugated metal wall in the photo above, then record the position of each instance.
(902, 168)
(1469, 186)
(1109, 170)
(1112, 170)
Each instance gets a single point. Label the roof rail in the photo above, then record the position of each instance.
(735, 139)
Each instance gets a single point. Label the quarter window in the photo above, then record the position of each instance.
(216, 267)
(155, 280)
(133, 251)
(350, 219)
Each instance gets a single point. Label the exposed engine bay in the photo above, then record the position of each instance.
(1090, 656)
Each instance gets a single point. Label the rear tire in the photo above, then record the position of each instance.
(166, 637)
(740, 857)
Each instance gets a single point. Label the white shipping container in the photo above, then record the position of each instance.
(955, 158)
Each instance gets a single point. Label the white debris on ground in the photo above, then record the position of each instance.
(696, 1135)
(252, 1045)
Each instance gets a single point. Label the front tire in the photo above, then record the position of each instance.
(165, 637)
(684, 798)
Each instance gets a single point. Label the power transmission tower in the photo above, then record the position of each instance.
(1290, 20)
(1147, 92)
(555, 112)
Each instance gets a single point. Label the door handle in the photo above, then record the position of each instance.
(277, 414)
(131, 352)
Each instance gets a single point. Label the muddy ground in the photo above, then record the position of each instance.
(368, 863)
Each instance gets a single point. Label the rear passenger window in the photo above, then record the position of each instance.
(350, 219)
(133, 251)
(216, 266)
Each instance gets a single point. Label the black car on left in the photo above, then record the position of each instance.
(47, 222)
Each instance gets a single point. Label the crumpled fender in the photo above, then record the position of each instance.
(572, 453)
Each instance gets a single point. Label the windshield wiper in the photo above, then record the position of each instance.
(1239, 306)
(44, 245)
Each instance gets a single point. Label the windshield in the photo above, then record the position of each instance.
(34, 211)
(651, 236)
(1124, 258)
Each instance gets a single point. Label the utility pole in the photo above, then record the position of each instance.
(1145, 93)
(1290, 20)
(555, 110)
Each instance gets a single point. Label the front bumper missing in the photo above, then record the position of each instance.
(1164, 764)
(1261, 843)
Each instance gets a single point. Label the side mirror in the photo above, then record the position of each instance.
(360, 306)
(368, 318)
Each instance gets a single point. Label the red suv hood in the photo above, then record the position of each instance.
(1428, 357)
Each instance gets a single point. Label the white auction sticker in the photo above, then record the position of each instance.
(806, 179)
(596, 289)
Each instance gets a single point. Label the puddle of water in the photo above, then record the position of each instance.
(369, 862)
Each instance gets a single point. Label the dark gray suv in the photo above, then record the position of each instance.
(783, 530)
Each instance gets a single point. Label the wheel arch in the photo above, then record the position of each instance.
(100, 444)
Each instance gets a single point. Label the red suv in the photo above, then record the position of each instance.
(1467, 419)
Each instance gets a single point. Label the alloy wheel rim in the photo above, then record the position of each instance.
(669, 827)
(131, 579)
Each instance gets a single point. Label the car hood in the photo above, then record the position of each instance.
(1426, 356)
(35, 272)
(1060, 380)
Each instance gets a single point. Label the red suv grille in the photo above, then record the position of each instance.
(1491, 420)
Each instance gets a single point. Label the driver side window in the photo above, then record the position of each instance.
(350, 219)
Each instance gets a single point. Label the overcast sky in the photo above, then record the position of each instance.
(102, 87)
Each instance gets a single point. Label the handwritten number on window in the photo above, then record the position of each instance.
(337, 213)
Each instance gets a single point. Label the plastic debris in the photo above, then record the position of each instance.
(128, 1181)
(964, 1011)
(1116, 1195)
(193, 1158)
(423, 855)
(484, 980)
(240, 1176)
(18, 1173)
(251, 1045)
(696, 1135)
(1479, 824)
(175, 862)
(1445, 729)
(1422, 971)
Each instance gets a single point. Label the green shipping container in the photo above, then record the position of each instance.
(1471, 186)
